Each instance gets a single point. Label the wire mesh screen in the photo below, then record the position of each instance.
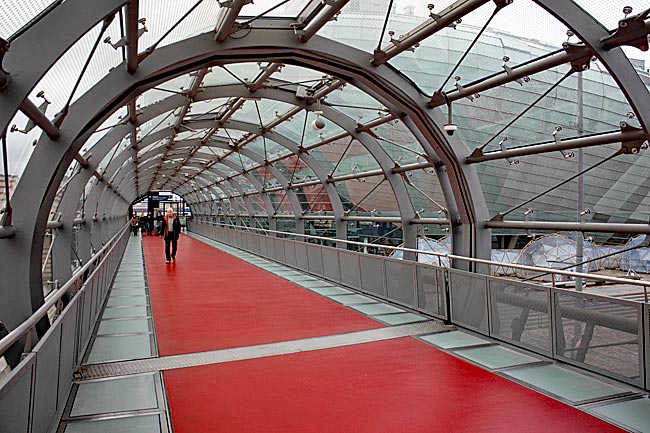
(301, 256)
(469, 300)
(331, 264)
(646, 314)
(431, 290)
(350, 273)
(315, 259)
(600, 333)
(290, 253)
(520, 313)
(400, 282)
(372, 274)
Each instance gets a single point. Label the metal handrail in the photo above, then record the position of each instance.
(28, 324)
(619, 280)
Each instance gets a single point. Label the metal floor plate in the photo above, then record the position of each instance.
(113, 369)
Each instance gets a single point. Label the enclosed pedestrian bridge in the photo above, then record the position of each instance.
(398, 216)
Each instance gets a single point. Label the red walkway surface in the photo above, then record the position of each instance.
(391, 386)
(211, 300)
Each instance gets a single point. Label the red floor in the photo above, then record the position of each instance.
(210, 300)
(389, 386)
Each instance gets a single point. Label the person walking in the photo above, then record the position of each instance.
(135, 221)
(171, 228)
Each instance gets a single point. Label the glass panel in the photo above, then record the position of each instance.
(58, 82)
(17, 13)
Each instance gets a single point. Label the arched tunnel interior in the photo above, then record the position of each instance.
(498, 143)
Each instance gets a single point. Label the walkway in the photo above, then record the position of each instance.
(257, 347)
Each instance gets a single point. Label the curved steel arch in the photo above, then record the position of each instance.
(459, 181)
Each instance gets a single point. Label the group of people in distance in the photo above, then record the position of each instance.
(167, 226)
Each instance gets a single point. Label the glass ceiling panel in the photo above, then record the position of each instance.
(374, 195)
(17, 13)
(289, 9)
(428, 69)
(268, 110)
(60, 79)
(359, 25)
(266, 148)
(344, 157)
(399, 143)
(355, 103)
(162, 121)
(425, 193)
(296, 74)
(204, 110)
(162, 15)
(238, 73)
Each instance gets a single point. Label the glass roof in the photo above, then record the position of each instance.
(203, 134)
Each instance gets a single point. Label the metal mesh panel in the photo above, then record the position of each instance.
(46, 379)
(263, 246)
(315, 259)
(350, 273)
(400, 281)
(599, 332)
(301, 256)
(15, 397)
(520, 313)
(331, 264)
(469, 300)
(646, 314)
(372, 274)
(256, 243)
(290, 253)
(68, 341)
(279, 252)
(431, 290)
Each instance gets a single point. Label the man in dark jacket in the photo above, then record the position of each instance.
(171, 229)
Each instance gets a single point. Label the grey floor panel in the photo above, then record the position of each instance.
(400, 318)
(115, 395)
(126, 301)
(311, 285)
(132, 424)
(352, 299)
(128, 292)
(118, 348)
(122, 312)
(326, 291)
(496, 356)
(631, 413)
(128, 285)
(123, 326)
(450, 340)
(373, 309)
(565, 383)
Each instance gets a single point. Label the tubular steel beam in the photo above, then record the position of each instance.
(577, 55)
(630, 135)
(260, 81)
(40, 119)
(132, 12)
(434, 24)
(570, 226)
(330, 11)
(228, 14)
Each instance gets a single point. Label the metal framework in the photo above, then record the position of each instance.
(102, 182)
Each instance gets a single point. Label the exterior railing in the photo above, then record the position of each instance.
(606, 335)
(34, 393)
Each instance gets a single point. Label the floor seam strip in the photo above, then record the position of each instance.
(150, 365)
